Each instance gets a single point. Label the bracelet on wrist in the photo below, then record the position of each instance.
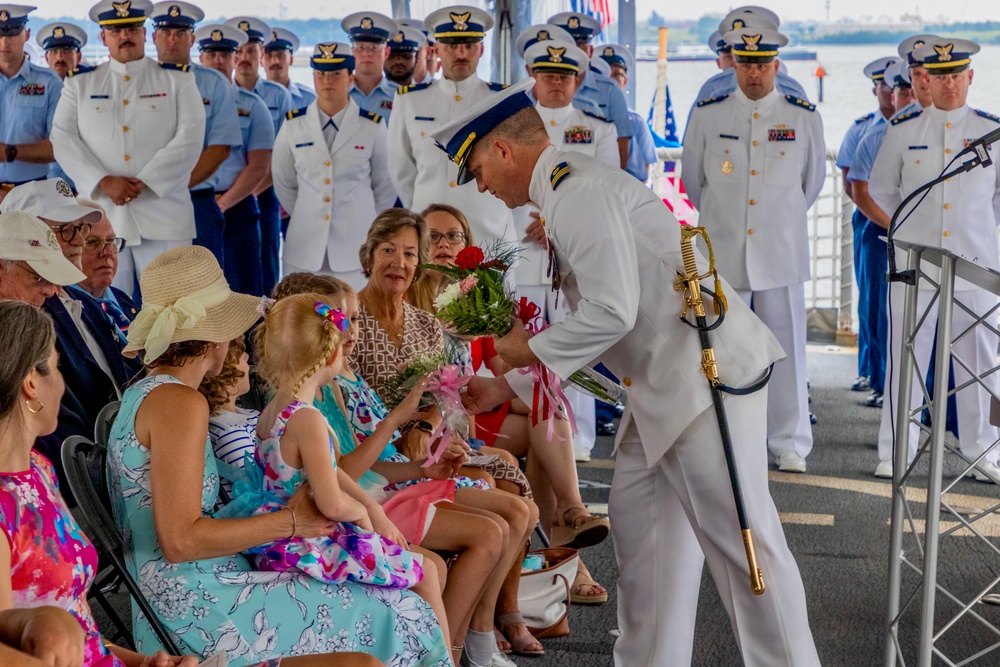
(294, 523)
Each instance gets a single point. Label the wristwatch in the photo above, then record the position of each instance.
(11, 153)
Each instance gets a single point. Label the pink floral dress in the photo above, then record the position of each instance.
(51, 561)
(350, 553)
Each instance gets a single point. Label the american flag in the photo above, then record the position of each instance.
(599, 9)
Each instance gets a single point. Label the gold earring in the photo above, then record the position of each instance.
(41, 406)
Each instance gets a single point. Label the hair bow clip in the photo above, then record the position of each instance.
(264, 305)
(332, 315)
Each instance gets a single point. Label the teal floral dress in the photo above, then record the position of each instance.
(223, 604)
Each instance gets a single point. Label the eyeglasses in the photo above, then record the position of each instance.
(454, 238)
(39, 281)
(68, 232)
(96, 246)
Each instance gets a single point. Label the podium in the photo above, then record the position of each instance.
(922, 591)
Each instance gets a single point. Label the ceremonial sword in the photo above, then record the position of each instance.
(690, 285)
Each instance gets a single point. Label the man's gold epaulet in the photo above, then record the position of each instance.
(559, 174)
(403, 90)
(987, 114)
(175, 67)
(711, 100)
(906, 116)
(799, 102)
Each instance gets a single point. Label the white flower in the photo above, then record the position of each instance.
(449, 294)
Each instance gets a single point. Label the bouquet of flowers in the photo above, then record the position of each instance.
(395, 389)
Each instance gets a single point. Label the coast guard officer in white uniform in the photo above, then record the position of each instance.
(129, 133)
(754, 162)
(959, 216)
(671, 497)
(331, 173)
(421, 173)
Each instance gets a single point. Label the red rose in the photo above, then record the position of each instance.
(527, 310)
(469, 257)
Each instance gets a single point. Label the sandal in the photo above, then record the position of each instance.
(583, 530)
(519, 644)
(501, 640)
(583, 582)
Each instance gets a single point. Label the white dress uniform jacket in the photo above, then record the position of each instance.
(136, 119)
(422, 172)
(753, 169)
(959, 215)
(618, 252)
(331, 194)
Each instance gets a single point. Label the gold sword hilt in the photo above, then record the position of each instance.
(690, 282)
(756, 574)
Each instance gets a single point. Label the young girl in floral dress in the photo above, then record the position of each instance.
(299, 349)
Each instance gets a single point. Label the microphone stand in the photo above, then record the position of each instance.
(981, 159)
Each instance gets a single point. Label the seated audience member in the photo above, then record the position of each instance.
(100, 265)
(89, 344)
(550, 466)
(188, 563)
(230, 427)
(45, 559)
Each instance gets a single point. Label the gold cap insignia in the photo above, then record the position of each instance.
(244, 26)
(573, 22)
(4, 16)
(122, 8)
(555, 54)
(174, 11)
(609, 51)
(739, 23)
(366, 23)
(750, 42)
(62, 187)
(917, 44)
(58, 32)
(543, 36)
(944, 52)
(327, 50)
(461, 21)
(216, 35)
(274, 36)
(398, 37)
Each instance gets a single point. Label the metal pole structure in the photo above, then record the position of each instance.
(901, 451)
(400, 9)
(660, 95)
(939, 411)
(627, 38)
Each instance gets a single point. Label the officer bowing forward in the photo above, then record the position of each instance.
(128, 134)
(422, 174)
(754, 163)
(245, 169)
(330, 172)
(28, 97)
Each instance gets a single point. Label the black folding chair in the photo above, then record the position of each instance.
(86, 466)
(102, 426)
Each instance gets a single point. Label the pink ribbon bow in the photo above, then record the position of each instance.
(445, 384)
(548, 399)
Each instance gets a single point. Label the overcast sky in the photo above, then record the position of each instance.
(961, 10)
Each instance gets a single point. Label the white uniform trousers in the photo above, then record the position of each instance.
(666, 517)
(783, 310)
(133, 260)
(580, 403)
(355, 279)
(977, 349)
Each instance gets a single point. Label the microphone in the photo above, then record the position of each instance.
(980, 146)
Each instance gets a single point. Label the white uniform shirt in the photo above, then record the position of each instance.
(618, 253)
(569, 129)
(753, 169)
(332, 195)
(959, 215)
(422, 172)
(139, 120)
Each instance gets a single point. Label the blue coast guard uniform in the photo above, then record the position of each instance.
(278, 101)
(596, 88)
(372, 28)
(286, 40)
(642, 150)
(62, 35)
(27, 105)
(221, 128)
(875, 71)
(241, 231)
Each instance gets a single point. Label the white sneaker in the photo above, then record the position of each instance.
(581, 454)
(884, 469)
(986, 472)
(790, 461)
(500, 660)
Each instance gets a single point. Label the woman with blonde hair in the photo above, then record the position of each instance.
(164, 484)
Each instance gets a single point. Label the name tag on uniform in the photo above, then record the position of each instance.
(243, 112)
(308, 143)
(385, 104)
(430, 118)
(729, 136)
(151, 96)
(32, 89)
(781, 134)
(578, 135)
(100, 97)
(918, 148)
